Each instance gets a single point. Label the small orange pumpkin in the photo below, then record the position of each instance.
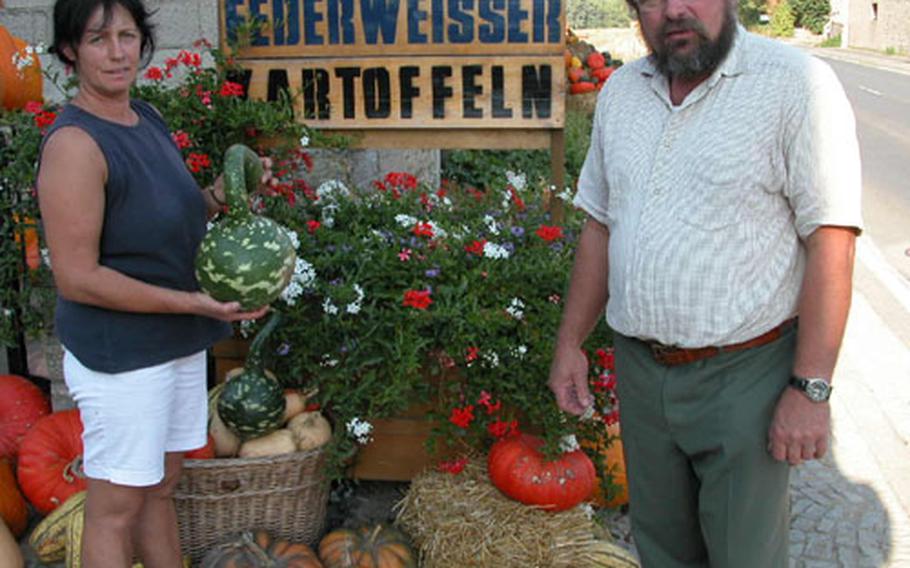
(379, 546)
(12, 504)
(17, 86)
(259, 549)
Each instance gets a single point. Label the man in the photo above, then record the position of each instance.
(723, 193)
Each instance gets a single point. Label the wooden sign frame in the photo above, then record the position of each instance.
(483, 74)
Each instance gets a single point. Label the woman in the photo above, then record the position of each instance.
(123, 219)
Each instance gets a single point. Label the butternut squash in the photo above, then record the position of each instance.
(311, 430)
(278, 442)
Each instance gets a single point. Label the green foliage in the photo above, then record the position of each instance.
(811, 14)
(833, 41)
(583, 14)
(405, 294)
(484, 168)
(750, 12)
(782, 20)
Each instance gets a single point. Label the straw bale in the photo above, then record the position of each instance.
(464, 521)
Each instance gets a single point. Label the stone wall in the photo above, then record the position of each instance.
(179, 23)
(888, 29)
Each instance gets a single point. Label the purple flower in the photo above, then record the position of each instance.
(283, 349)
(432, 272)
(509, 246)
(518, 231)
(557, 246)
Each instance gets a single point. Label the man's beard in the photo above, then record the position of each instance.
(707, 54)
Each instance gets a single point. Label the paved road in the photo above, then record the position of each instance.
(881, 102)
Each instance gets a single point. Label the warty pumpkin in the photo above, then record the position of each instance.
(518, 469)
(21, 405)
(378, 546)
(259, 550)
(17, 86)
(50, 460)
(12, 504)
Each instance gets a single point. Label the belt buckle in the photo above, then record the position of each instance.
(660, 351)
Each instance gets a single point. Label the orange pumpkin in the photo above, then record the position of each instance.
(17, 86)
(50, 460)
(12, 503)
(257, 549)
(612, 463)
(21, 405)
(379, 546)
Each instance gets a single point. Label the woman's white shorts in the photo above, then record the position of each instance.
(131, 419)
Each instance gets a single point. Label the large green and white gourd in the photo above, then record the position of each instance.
(244, 257)
(251, 404)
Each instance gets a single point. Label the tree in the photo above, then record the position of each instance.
(782, 20)
(582, 14)
(811, 14)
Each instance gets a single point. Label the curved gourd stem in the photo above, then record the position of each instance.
(254, 359)
(242, 172)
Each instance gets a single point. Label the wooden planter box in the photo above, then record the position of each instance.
(397, 452)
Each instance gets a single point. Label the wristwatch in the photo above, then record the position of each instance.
(816, 389)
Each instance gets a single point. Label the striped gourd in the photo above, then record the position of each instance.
(244, 257)
(251, 404)
(48, 540)
(74, 539)
(603, 554)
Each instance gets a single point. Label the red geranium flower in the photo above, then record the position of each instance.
(454, 466)
(550, 233)
(44, 119)
(154, 73)
(33, 107)
(181, 139)
(462, 417)
(312, 225)
(197, 162)
(231, 89)
(476, 247)
(423, 230)
(419, 299)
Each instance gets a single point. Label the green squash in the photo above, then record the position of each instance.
(244, 257)
(251, 404)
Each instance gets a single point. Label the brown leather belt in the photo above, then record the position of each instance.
(671, 356)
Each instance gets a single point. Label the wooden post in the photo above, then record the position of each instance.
(557, 172)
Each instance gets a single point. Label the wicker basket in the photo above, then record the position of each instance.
(285, 495)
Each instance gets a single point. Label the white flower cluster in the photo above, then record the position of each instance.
(303, 279)
(438, 231)
(518, 180)
(304, 141)
(46, 257)
(491, 224)
(360, 430)
(490, 359)
(329, 307)
(295, 240)
(519, 352)
(332, 190)
(516, 309)
(246, 327)
(25, 58)
(565, 194)
(354, 307)
(328, 361)
(405, 221)
(495, 251)
(569, 443)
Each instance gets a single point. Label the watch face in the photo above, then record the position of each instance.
(818, 390)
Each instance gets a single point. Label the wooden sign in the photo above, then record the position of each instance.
(406, 64)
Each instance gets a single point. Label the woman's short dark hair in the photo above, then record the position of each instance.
(71, 18)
